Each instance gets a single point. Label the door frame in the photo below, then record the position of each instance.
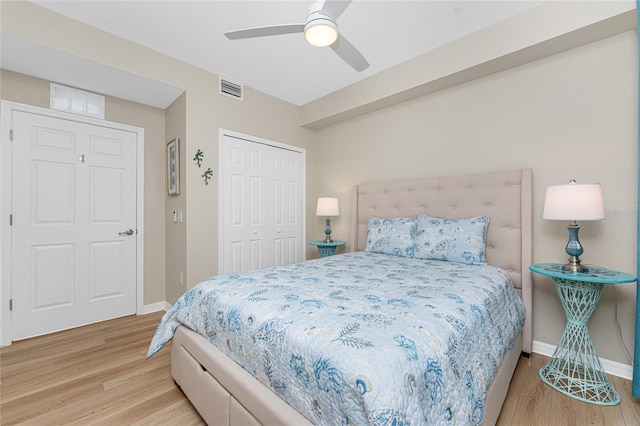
(7, 108)
(221, 166)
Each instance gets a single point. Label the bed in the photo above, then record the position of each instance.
(464, 380)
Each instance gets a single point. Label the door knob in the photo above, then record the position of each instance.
(127, 232)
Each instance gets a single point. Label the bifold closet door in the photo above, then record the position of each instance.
(287, 204)
(261, 205)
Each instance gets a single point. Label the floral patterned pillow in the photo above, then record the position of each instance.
(391, 236)
(454, 240)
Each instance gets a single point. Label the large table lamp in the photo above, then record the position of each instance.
(327, 206)
(574, 202)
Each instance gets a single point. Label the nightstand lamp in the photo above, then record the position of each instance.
(573, 202)
(327, 206)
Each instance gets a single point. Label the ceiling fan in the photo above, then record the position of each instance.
(319, 30)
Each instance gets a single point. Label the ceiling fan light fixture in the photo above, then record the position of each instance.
(321, 32)
(320, 29)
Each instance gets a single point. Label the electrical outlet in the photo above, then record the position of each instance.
(181, 279)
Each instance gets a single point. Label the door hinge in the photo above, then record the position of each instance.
(11, 135)
(10, 220)
(11, 304)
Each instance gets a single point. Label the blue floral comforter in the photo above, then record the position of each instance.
(362, 337)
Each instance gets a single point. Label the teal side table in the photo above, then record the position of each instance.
(326, 249)
(575, 369)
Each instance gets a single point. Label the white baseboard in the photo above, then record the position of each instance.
(611, 367)
(155, 307)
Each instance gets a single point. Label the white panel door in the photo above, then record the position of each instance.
(244, 209)
(261, 205)
(287, 204)
(74, 222)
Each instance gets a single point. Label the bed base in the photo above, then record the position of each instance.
(222, 391)
(225, 394)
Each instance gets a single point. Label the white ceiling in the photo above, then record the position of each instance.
(386, 33)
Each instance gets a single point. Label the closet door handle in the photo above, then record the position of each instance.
(127, 232)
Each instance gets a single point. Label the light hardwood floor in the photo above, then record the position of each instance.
(97, 374)
(531, 402)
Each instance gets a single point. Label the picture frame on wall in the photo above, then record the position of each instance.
(173, 166)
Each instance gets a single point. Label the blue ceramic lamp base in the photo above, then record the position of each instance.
(327, 231)
(574, 250)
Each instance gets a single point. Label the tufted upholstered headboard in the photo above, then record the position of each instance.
(505, 197)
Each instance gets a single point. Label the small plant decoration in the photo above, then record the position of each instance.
(198, 158)
(207, 175)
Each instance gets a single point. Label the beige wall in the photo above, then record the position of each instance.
(571, 115)
(176, 236)
(205, 112)
(34, 91)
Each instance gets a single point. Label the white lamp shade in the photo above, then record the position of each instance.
(321, 32)
(327, 206)
(574, 201)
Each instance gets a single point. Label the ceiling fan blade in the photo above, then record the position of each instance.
(350, 54)
(334, 8)
(265, 31)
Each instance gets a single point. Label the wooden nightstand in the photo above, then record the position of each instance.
(326, 249)
(575, 369)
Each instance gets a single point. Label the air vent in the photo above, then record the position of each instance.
(230, 88)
